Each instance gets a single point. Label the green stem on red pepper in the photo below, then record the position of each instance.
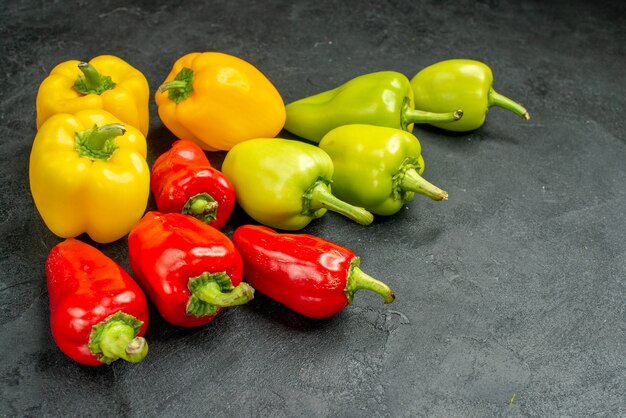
(212, 291)
(115, 338)
(359, 280)
(201, 206)
(190, 269)
(312, 276)
(183, 181)
(98, 313)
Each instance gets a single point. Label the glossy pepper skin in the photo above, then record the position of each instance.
(285, 184)
(189, 269)
(384, 98)
(460, 83)
(88, 173)
(377, 168)
(310, 275)
(106, 82)
(217, 100)
(183, 180)
(98, 314)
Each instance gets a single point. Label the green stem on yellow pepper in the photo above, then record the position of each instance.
(181, 87)
(92, 82)
(173, 85)
(319, 197)
(497, 99)
(98, 142)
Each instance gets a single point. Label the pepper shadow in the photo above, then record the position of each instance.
(488, 132)
(267, 309)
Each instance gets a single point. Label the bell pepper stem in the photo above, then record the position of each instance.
(422, 116)
(98, 142)
(320, 197)
(116, 338)
(172, 85)
(413, 182)
(357, 280)
(91, 81)
(181, 87)
(92, 77)
(118, 343)
(497, 99)
(201, 206)
(212, 291)
(97, 136)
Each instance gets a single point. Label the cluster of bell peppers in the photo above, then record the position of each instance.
(88, 169)
(190, 271)
(366, 158)
(88, 174)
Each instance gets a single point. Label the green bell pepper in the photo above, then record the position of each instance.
(285, 184)
(383, 98)
(377, 167)
(467, 84)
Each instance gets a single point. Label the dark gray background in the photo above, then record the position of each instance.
(510, 296)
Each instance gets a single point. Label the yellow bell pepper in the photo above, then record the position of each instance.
(106, 82)
(88, 173)
(217, 100)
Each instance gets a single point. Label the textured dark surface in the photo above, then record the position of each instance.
(511, 296)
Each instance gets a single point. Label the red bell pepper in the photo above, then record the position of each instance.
(183, 181)
(310, 275)
(189, 269)
(98, 313)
